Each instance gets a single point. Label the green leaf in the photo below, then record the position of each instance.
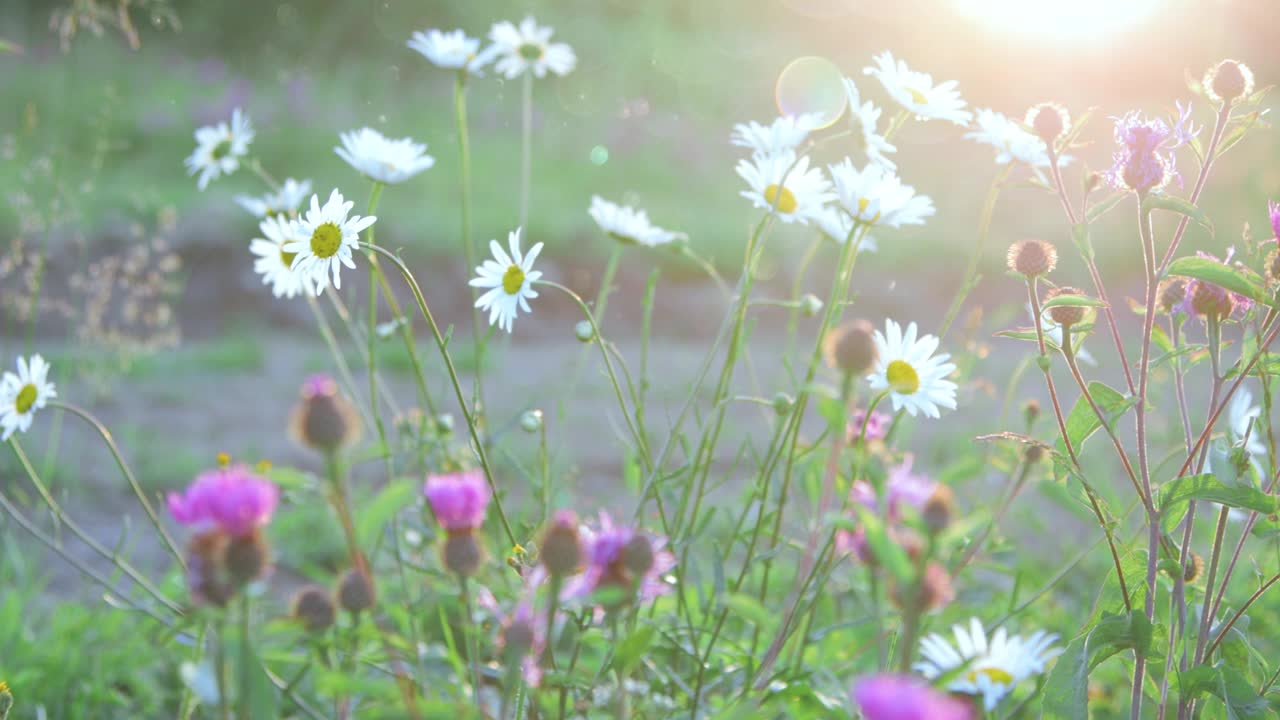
(891, 556)
(1207, 487)
(832, 410)
(261, 693)
(1178, 205)
(290, 478)
(749, 608)
(1100, 208)
(9, 48)
(1073, 301)
(1083, 422)
(375, 514)
(1066, 689)
(631, 650)
(1080, 235)
(1209, 270)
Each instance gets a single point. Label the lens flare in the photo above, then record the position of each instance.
(1057, 19)
(811, 85)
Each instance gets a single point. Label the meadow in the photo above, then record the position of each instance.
(640, 360)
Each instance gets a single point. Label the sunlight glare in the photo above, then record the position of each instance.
(1074, 19)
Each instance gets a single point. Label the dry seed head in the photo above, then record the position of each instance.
(356, 592)
(517, 639)
(313, 607)
(1228, 80)
(1032, 258)
(1065, 315)
(324, 419)
(851, 348)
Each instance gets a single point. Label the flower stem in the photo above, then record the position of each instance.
(468, 242)
(468, 628)
(526, 146)
(245, 697)
(220, 670)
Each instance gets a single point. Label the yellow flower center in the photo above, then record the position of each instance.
(26, 398)
(531, 51)
(903, 378)
(221, 150)
(918, 97)
(996, 675)
(624, 239)
(862, 204)
(326, 240)
(287, 258)
(785, 201)
(513, 280)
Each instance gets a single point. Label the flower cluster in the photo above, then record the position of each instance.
(516, 50)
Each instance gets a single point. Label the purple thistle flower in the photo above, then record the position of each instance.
(1273, 210)
(903, 489)
(1204, 297)
(904, 697)
(1145, 160)
(232, 500)
(611, 563)
(877, 425)
(458, 500)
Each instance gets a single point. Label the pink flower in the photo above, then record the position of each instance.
(458, 500)
(618, 556)
(1145, 160)
(877, 425)
(319, 385)
(904, 697)
(232, 500)
(1273, 210)
(903, 489)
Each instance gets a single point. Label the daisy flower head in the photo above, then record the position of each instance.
(628, 225)
(1245, 419)
(906, 697)
(274, 264)
(875, 196)
(992, 667)
(219, 149)
(1011, 140)
(866, 116)
(328, 235)
(231, 500)
(835, 224)
(916, 92)
(383, 159)
(908, 369)
(284, 201)
(783, 135)
(799, 192)
(452, 50)
(622, 558)
(1145, 160)
(22, 394)
(527, 48)
(509, 278)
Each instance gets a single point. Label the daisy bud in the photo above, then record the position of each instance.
(1032, 258)
(355, 592)
(531, 421)
(1065, 315)
(561, 545)
(939, 508)
(584, 332)
(851, 347)
(246, 558)
(1049, 121)
(313, 608)
(1228, 80)
(810, 305)
(782, 404)
(461, 554)
(324, 419)
(1171, 294)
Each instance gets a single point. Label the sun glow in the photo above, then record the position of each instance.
(1074, 18)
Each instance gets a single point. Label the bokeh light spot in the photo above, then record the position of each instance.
(599, 155)
(811, 85)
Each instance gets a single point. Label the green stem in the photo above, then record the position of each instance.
(526, 146)
(971, 276)
(246, 656)
(374, 193)
(468, 242)
(473, 650)
(220, 670)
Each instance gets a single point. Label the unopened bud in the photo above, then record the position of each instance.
(810, 305)
(1034, 453)
(1065, 315)
(517, 639)
(782, 404)
(1031, 411)
(637, 555)
(324, 419)
(935, 590)
(1032, 258)
(531, 421)
(1049, 121)
(355, 592)
(561, 547)
(313, 608)
(1228, 80)
(1171, 294)
(584, 332)
(938, 508)
(462, 554)
(1273, 266)
(851, 347)
(246, 558)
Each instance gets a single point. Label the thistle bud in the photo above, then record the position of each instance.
(531, 421)
(246, 558)
(461, 554)
(356, 592)
(1032, 258)
(1228, 80)
(810, 305)
(1049, 121)
(1034, 454)
(324, 419)
(517, 639)
(207, 580)
(561, 546)
(1065, 315)
(584, 332)
(1211, 301)
(939, 508)
(313, 608)
(851, 348)
(1171, 294)
(637, 555)
(1031, 411)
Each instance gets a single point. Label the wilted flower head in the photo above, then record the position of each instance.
(528, 48)
(1227, 81)
(382, 159)
(219, 148)
(622, 558)
(906, 697)
(458, 500)
(1032, 258)
(1208, 300)
(452, 50)
(21, 395)
(561, 549)
(313, 607)
(1145, 161)
(1065, 315)
(231, 500)
(851, 347)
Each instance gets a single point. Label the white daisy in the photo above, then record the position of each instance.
(274, 264)
(325, 240)
(528, 48)
(866, 116)
(802, 195)
(510, 279)
(836, 224)
(875, 196)
(382, 159)
(785, 134)
(1011, 141)
(916, 92)
(913, 375)
(629, 225)
(22, 394)
(453, 50)
(992, 668)
(1242, 412)
(219, 148)
(284, 201)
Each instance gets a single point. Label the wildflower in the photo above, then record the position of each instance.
(836, 225)
(1227, 81)
(874, 145)
(912, 375)
(1245, 418)
(628, 225)
(939, 508)
(510, 281)
(1053, 333)
(851, 347)
(1145, 161)
(797, 190)
(382, 159)
(781, 136)
(916, 92)
(1049, 121)
(1273, 214)
(561, 545)
(21, 395)
(1171, 292)
(324, 418)
(905, 697)
(1032, 258)
(6, 700)
(330, 238)
(621, 560)
(903, 490)
(877, 426)
(452, 50)
(523, 639)
(231, 500)
(935, 590)
(1065, 315)
(459, 501)
(219, 149)
(313, 607)
(1206, 299)
(356, 593)
(988, 668)
(284, 201)
(1011, 141)
(528, 48)
(875, 196)
(273, 263)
